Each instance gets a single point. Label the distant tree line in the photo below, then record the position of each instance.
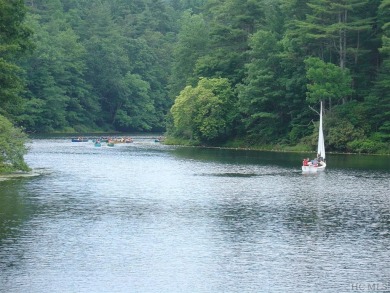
(206, 71)
(277, 59)
(14, 42)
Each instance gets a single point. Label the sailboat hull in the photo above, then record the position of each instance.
(314, 169)
(309, 169)
(321, 166)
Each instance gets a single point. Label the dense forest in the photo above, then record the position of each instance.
(213, 72)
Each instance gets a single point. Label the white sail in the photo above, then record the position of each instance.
(311, 167)
(321, 143)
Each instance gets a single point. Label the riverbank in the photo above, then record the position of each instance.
(13, 175)
(241, 145)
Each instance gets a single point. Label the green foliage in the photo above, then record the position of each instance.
(367, 146)
(10, 85)
(137, 110)
(192, 43)
(377, 103)
(206, 112)
(340, 133)
(262, 99)
(340, 32)
(98, 64)
(12, 147)
(57, 96)
(347, 128)
(14, 42)
(327, 81)
(183, 112)
(331, 28)
(230, 23)
(241, 69)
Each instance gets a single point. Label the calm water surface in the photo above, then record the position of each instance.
(144, 217)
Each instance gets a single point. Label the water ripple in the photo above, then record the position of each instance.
(150, 218)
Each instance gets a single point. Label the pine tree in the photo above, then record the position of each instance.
(14, 42)
(378, 103)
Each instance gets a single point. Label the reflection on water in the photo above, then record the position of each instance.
(149, 218)
(230, 174)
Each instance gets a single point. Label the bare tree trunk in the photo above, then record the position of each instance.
(357, 46)
(343, 16)
(341, 42)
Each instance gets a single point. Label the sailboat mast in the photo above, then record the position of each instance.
(321, 143)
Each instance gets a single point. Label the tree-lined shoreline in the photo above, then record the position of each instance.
(206, 72)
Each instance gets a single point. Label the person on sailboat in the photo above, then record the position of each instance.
(320, 158)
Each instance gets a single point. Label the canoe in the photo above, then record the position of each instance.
(80, 139)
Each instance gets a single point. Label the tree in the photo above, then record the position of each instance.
(231, 22)
(378, 102)
(58, 97)
(206, 112)
(137, 111)
(328, 27)
(327, 81)
(192, 43)
(12, 147)
(14, 42)
(342, 33)
(107, 60)
(182, 5)
(183, 112)
(125, 52)
(262, 100)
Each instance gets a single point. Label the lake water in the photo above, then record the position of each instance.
(144, 217)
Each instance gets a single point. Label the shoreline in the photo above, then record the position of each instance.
(179, 143)
(14, 175)
(271, 150)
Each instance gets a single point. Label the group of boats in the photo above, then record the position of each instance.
(108, 141)
(80, 139)
(112, 141)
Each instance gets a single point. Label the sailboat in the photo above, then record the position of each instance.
(319, 163)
